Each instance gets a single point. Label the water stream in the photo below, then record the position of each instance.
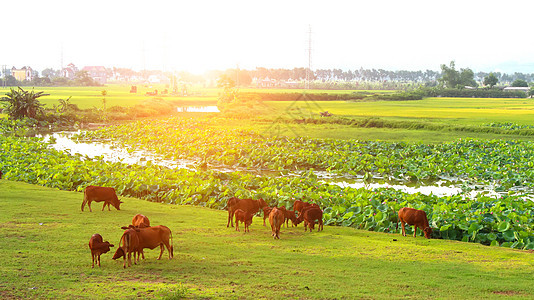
(113, 153)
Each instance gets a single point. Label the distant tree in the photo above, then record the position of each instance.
(20, 103)
(229, 92)
(60, 81)
(50, 73)
(452, 78)
(11, 81)
(519, 83)
(241, 77)
(82, 78)
(491, 80)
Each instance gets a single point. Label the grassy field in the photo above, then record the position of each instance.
(44, 254)
(445, 112)
(466, 111)
(117, 95)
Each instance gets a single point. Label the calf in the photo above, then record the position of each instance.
(98, 247)
(310, 215)
(128, 244)
(266, 211)
(99, 194)
(243, 216)
(414, 217)
(140, 221)
(248, 205)
(276, 218)
(290, 215)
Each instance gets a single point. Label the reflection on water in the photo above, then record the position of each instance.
(114, 153)
(110, 152)
(204, 109)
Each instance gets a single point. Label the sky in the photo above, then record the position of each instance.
(201, 35)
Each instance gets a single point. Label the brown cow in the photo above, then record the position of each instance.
(301, 205)
(266, 211)
(310, 215)
(128, 244)
(290, 215)
(151, 237)
(298, 205)
(276, 218)
(98, 247)
(243, 216)
(414, 217)
(140, 221)
(99, 194)
(248, 205)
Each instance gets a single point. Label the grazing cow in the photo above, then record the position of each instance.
(99, 194)
(414, 217)
(276, 218)
(140, 221)
(290, 215)
(301, 205)
(98, 247)
(128, 244)
(151, 237)
(266, 211)
(298, 205)
(243, 216)
(248, 205)
(310, 215)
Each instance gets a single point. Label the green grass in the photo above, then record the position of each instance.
(44, 254)
(465, 111)
(117, 95)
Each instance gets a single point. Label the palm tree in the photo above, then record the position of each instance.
(21, 103)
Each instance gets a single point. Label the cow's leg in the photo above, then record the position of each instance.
(168, 248)
(99, 259)
(403, 229)
(84, 202)
(414, 230)
(161, 251)
(230, 216)
(130, 258)
(93, 258)
(104, 206)
(89, 204)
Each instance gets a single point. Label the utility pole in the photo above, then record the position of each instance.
(308, 70)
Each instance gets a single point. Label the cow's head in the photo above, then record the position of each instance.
(262, 203)
(293, 219)
(119, 253)
(108, 246)
(428, 232)
(117, 204)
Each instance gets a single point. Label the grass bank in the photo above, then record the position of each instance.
(44, 254)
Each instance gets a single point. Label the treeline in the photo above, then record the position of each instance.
(82, 78)
(373, 75)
